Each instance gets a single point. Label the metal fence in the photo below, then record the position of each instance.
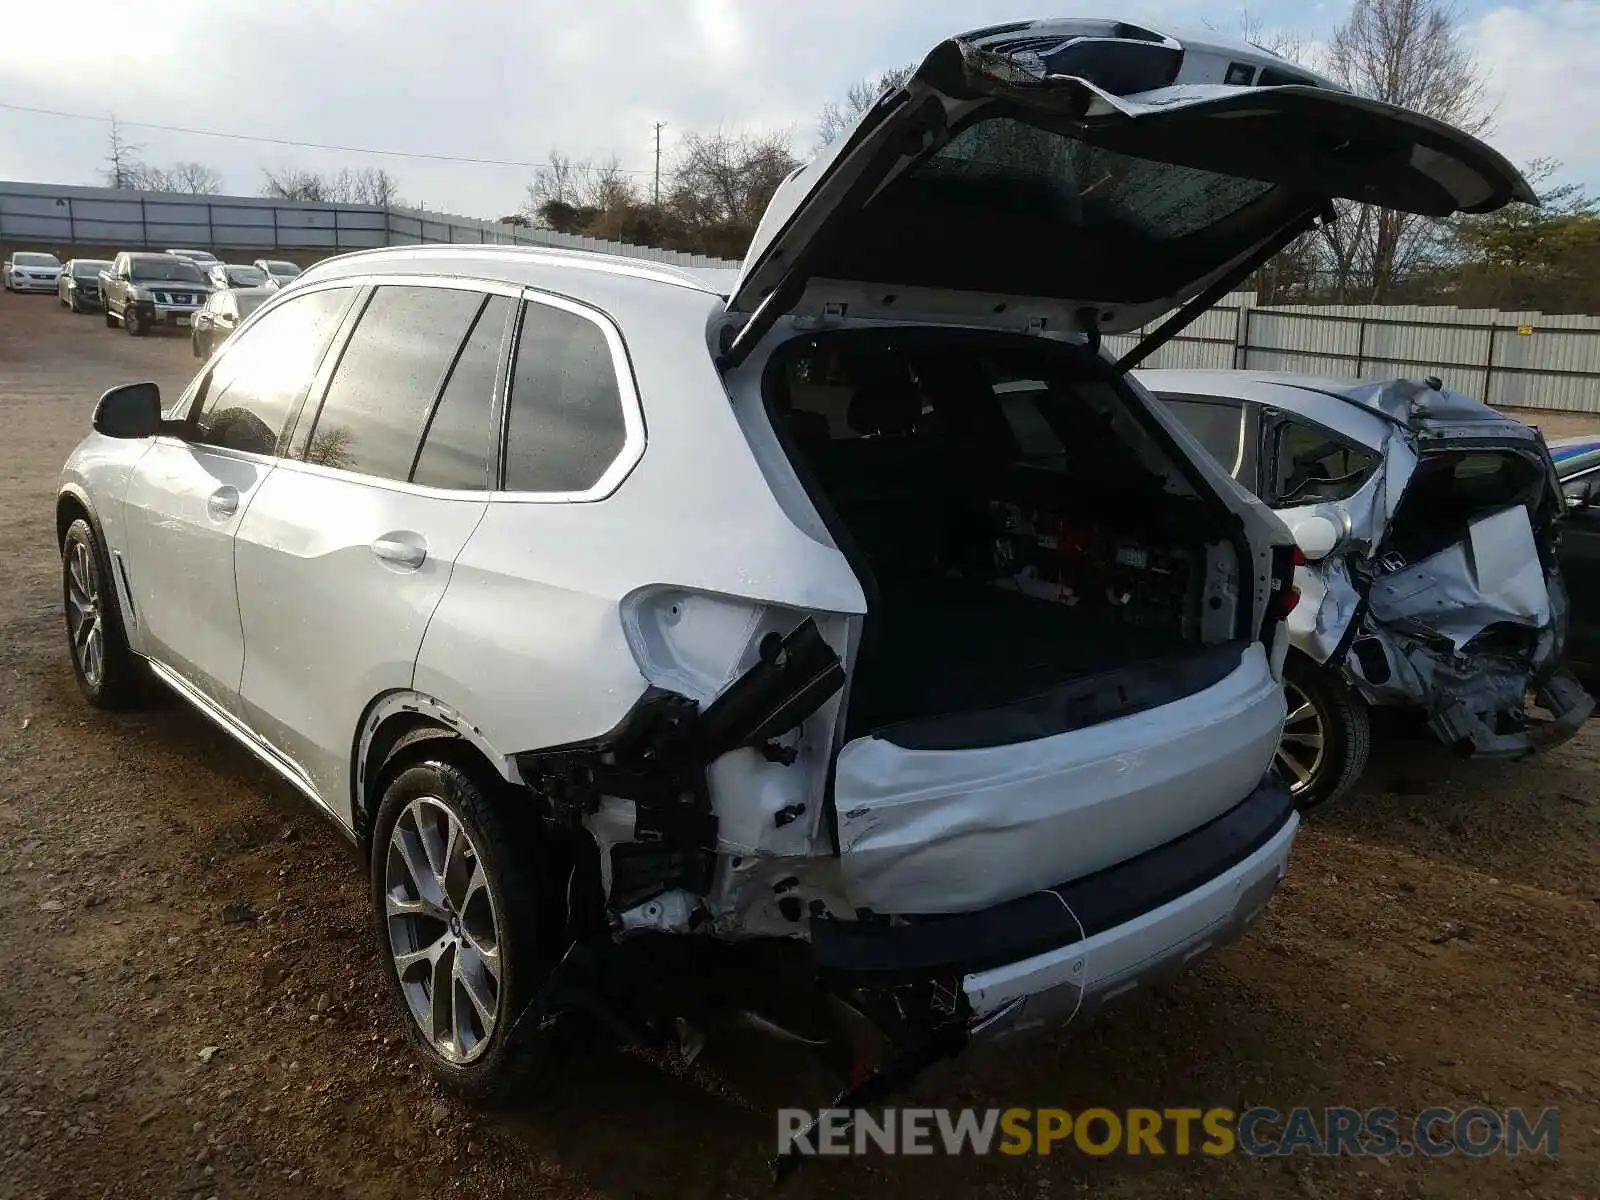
(61, 217)
(1508, 359)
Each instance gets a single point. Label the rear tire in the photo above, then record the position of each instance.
(1326, 736)
(468, 920)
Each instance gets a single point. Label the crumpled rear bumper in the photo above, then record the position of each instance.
(1569, 704)
(1034, 962)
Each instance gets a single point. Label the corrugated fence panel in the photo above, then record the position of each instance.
(1270, 330)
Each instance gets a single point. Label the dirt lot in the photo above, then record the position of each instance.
(1435, 944)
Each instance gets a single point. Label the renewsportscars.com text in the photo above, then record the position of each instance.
(1259, 1132)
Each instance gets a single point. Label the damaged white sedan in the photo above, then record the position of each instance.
(671, 646)
(1428, 521)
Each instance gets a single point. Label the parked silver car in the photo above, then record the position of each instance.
(279, 270)
(238, 275)
(1429, 524)
(79, 285)
(670, 650)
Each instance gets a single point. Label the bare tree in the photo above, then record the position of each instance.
(1411, 53)
(369, 185)
(1285, 43)
(124, 166)
(723, 182)
(195, 178)
(838, 116)
(291, 183)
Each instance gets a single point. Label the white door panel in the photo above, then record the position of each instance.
(338, 578)
(184, 504)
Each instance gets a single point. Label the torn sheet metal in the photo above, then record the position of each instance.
(1329, 601)
(1492, 575)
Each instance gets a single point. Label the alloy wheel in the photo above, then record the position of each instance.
(1302, 747)
(444, 930)
(85, 622)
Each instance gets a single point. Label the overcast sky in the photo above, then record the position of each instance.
(515, 79)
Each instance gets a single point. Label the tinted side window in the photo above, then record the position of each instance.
(459, 439)
(1311, 464)
(381, 392)
(566, 424)
(255, 386)
(1218, 424)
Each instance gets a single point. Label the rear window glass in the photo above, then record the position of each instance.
(1009, 208)
(1085, 185)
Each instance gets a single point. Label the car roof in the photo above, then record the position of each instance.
(1357, 408)
(522, 266)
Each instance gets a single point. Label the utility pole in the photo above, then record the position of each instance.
(659, 126)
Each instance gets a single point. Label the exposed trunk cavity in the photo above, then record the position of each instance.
(1034, 556)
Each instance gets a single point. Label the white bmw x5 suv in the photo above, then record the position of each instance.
(671, 645)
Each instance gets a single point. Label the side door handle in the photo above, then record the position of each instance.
(223, 503)
(404, 549)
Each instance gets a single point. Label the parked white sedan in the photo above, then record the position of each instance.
(31, 271)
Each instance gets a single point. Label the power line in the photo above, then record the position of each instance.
(275, 141)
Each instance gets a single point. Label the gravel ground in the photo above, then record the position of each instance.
(1434, 944)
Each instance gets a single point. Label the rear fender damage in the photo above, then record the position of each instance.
(1467, 634)
(644, 791)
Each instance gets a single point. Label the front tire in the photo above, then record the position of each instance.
(109, 674)
(133, 322)
(456, 917)
(1326, 736)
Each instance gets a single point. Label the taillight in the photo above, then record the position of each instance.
(1285, 596)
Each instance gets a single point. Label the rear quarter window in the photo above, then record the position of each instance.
(1311, 464)
(565, 424)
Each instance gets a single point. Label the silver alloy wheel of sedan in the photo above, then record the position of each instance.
(1301, 748)
(444, 930)
(84, 619)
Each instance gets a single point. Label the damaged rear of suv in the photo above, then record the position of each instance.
(1430, 524)
(674, 649)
